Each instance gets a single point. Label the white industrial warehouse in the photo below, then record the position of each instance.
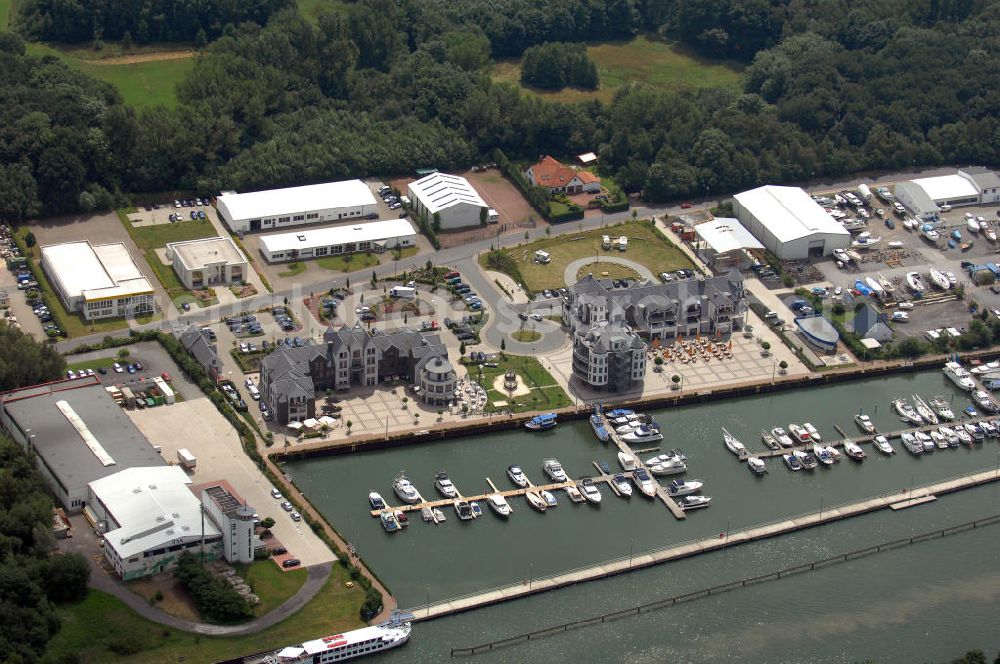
(926, 198)
(99, 281)
(311, 204)
(789, 223)
(452, 198)
(725, 243)
(207, 262)
(375, 236)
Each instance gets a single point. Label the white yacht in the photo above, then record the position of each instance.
(910, 442)
(666, 464)
(535, 501)
(573, 493)
(590, 492)
(550, 500)
(623, 429)
(782, 437)
(942, 408)
(517, 476)
(733, 444)
(645, 433)
(924, 410)
(982, 399)
(854, 451)
(405, 490)
(906, 411)
(347, 645)
(627, 461)
(823, 455)
(645, 483)
(444, 485)
(499, 505)
(813, 432)
(622, 484)
(958, 375)
(693, 502)
(679, 488)
(799, 433)
(973, 430)
(964, 437)
(376, 501)
(865, 423)
(881, 443)
(925, 441)
(464, 510)
(950, 436)
(940, 441)
(756, 465)
(554, 470)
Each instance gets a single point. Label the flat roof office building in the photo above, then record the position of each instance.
(98, 281)
(207, 262)
(375, 236)
(312, 204)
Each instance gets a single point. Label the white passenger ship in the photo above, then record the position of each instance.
(349, 645)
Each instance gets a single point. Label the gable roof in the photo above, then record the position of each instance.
(551, 173)
(439, 191)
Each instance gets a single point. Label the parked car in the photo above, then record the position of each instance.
(291, 562)
(900, 316)
(287, 506)
(295, 516)
(536, 317)
(276, 494)
(117, 367)
(685, 205)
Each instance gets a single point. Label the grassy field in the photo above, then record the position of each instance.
(641, 60)
(93, 627)
(142, 83)
(647, 246)
(545, 392)
(271, 583)
(607, 270)
(154, 237)
(356, 262)
(294, 268)
(5, 9)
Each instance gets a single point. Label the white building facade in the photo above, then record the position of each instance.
(452, 198)
(348, 200)
(208, 262)
(98, 281)
(925, 198)
(374, 236)
(789, 223)
(235, 522)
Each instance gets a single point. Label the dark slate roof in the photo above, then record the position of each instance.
(200, 348)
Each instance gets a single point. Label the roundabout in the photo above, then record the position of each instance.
(573, 269)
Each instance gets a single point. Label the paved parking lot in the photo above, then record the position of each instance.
(154, 360)
(220, 456)
(161, 214)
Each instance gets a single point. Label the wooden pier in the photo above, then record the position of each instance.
(660, 491)
(658, 556)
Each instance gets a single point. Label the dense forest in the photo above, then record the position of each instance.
(145, 21)
(381, 86)
(555, 65)
(30, 578)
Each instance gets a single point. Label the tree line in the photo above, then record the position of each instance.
(555, 65)
(385, 86)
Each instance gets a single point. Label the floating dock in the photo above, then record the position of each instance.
(725, 540)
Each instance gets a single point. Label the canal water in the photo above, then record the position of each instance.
(936, 583)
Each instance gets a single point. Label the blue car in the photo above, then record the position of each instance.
(130, 368)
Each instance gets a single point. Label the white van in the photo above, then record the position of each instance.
(254, 392)
(622, 243)
(605, 242)
(542, 257)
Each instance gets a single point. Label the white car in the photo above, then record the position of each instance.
(838, 291)
(118, 368)
(249, 382)
(287, 506)
(904, 305)
(276, 494)
(296, 516)
(537, 317)
(900, 316)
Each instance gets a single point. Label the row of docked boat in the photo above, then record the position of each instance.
(778, 437)
(921, 411)
(631, 426)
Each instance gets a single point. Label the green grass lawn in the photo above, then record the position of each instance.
(5, 9)
(92, 364)
(356, 262)
(142, 84)
(526, 336)
(154, 237)
(545, 393)
(646, 246)
(641, 59)
(294, 268)
(91, 629)
(271, 583)
(606, 270)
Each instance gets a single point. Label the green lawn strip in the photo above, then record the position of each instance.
(341, 264)
(646, 246)
(271, 583)
(95, 364)
(614, 271)
(642, 59)
(551, 396)
(294, 268)
(159, 235)
(92, 627)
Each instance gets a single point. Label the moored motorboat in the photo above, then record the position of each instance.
(542, 422)
(950, 436)
(645, 433)
(517, 476)
(881, 443)
(645, 483)
(756, 465)
(986, 404)
(823, 455)
(799, 433)
(910, 443)
(401, 518)
(854, 451)
(807, 460)
(782, 437)
(792, 461)
(693, 502)
(865, 423)
(958, 375)
(623, 429)
(573, 493)
(597, 424)
(389, 522)
(554, 470)
(463, 509)
(427, 514)
(906, 412)
(973, 430)
(940, 441)
(376, 501)
(964, 437)
(925, 440)
(924, 410)
(989, 428)
(405, 489)
(622, 484)
(535, 501)
(942, 408)
(733, 444)
(814, 435)
(769, 440)
(627, 461)
(444, 486)
(679, 488)
(549, 498)
(439, 515)
(498, 504)
(589, 491)
(666, 464)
